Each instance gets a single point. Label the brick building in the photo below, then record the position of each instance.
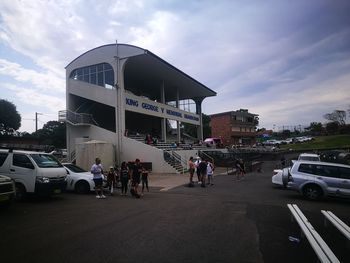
(234, 127)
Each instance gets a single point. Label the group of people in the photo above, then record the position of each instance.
(204, 170)
(133, 173)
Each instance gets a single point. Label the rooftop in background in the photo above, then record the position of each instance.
(240, 112)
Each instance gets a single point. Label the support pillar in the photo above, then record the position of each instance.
(163, 120)
(177, 122)
(199, 112)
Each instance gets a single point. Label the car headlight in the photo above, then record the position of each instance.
(42, 179)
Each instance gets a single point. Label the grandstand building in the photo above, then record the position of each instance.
(117, 94)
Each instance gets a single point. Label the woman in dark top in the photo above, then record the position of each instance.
(124, 177)
(144, 178)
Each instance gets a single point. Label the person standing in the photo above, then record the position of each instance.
(203, 172)
(210, 173)
(196, 163)
(242, 168)
(144, 178)
(97, 172)
(124, 177)
(136, 172)
(111, 179)
(191, 168)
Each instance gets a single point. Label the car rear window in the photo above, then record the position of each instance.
(309, 158)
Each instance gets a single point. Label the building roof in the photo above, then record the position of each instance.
(240, 112)
(147, 69)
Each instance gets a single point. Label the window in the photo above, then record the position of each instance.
(306, 168)
(344, 173)
(101, 74)
(22, 160)
(46, 160)
(3, 157)
(326, 171)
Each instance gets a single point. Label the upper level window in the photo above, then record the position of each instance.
(100, 74)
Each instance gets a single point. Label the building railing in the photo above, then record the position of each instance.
(76, 118)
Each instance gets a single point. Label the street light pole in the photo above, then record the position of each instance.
(36, 120)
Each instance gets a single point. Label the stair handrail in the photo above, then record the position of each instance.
(179, 159)
(77, 117)
(208, 156)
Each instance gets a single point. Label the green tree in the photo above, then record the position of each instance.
(315, 128)
(52, 133)
(332, 127)
(10, 119)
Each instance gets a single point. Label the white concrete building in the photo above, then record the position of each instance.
(116, 91)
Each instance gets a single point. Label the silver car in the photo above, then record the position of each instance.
(318, 179)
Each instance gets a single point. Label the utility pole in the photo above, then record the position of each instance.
(36, 120)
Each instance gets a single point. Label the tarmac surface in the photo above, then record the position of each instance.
(231, 221)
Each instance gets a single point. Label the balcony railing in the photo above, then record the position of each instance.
(76, 118)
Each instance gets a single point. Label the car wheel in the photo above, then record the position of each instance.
(82, 187)
(312, 192)
(20, 192)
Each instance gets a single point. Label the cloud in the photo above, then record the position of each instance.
(35, 98)
(41, 81)
(271, 57)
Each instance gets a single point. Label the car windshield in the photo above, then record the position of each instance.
(46, 160)
(217, 140)
(74, 168)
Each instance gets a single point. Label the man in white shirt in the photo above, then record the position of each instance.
(97, 172)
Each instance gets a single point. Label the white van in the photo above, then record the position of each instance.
(213, 142)
(33, 172)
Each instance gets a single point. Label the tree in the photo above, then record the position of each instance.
(315, 128)
(338, 116)
(10, 119)
(332, 127)
(52, 133)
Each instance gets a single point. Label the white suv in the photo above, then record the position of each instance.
(318, 179)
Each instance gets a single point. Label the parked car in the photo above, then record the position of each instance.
(33, 172)
(319, 179)
(80, 180)
(309, 157)
(7, 190)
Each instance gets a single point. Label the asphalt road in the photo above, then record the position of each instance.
(232, 221)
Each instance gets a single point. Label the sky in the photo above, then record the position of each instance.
(288, 61)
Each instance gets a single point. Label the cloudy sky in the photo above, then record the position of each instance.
(288, 61)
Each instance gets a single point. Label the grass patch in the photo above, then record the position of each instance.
(322, 142)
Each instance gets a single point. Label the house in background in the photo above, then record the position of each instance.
(234, 127)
